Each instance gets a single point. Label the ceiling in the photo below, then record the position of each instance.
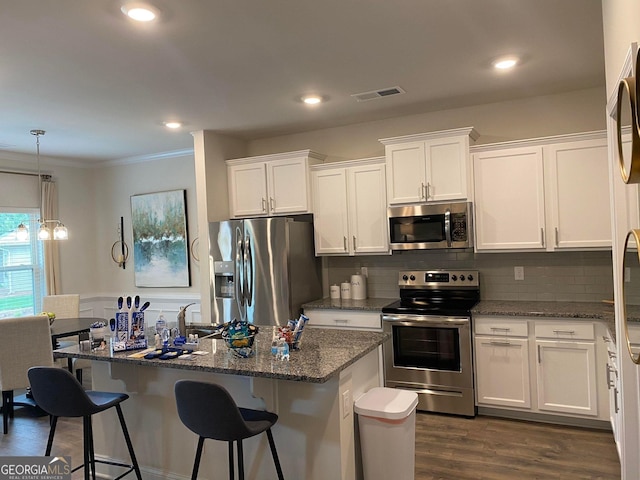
(102, 86)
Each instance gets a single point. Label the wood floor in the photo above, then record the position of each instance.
(489, 448)
(447, 448)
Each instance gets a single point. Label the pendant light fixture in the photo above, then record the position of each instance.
(44, 232)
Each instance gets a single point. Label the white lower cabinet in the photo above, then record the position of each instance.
(548, 366)
(348, 319)
(502, 371)
(566, 377)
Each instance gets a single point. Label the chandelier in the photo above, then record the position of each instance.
(44, 232)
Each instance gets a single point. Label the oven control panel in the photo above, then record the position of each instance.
(439, 278)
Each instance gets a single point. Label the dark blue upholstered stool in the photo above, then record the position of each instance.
(209, 411)
(58, 392)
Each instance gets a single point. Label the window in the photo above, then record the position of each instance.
(21, 265)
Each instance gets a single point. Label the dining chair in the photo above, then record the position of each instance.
(25, 342)
(67, 306)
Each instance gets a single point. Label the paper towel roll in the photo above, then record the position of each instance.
(358, 287)
(335, 291)
(345, 291)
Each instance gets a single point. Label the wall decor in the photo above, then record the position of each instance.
(160, 244)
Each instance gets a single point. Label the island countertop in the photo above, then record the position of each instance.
(323, 354)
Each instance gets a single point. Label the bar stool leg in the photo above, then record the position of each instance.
(240, 461)
(86, 433)
(196, 462)
(274, 454)
(6, 409)
(53, 421)
(231, 468)
(129, 444)
(92, 452)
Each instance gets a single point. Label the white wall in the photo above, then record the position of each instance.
(114, 186)
(621, 22)
(578, 111)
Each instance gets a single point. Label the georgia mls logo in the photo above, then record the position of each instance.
(35, 468)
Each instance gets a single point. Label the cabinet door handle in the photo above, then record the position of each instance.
(426, 196)
(615, 400)
(422, 195)
(609, 385)
(345, 243)
(542, 236)
(557, 243)
(500, 329)
(498, 343)
(354, 243)
(264, 205)
(341, 320)
(565, 332)
(539, 355)
(272, 204)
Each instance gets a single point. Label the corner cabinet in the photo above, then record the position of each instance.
(271, 185)
(349, 207)
(429, 167)
(543, 194)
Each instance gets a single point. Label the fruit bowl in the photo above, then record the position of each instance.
(239, 344)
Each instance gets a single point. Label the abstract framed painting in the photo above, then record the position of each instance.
(160, 243)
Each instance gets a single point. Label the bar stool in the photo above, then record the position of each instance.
(209, 411)
(58, 392)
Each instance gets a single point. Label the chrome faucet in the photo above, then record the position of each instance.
(182, 321)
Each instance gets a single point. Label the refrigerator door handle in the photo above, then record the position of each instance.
(239, 270)
(248, 272)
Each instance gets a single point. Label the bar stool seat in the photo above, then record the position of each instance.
(60, 394)
(209, 411)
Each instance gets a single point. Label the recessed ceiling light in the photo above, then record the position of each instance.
(312, 99)
(140, 12)
(505, 63)
(172, 124)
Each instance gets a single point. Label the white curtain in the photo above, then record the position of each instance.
(50, 247)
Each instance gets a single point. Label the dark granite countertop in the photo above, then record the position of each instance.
(569, 310)
(323, 353)
(369, 304)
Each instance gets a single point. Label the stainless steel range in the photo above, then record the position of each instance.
(430, 347)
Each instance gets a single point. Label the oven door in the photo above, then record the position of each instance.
(428, 350)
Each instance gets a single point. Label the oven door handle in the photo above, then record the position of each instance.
(424, 321)
(447, 227)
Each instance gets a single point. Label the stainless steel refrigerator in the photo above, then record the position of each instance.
(263, 269)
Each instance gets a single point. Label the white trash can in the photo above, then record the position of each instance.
(387, 422)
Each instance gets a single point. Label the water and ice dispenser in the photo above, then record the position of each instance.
(224, 279)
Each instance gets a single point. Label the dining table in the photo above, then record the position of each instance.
(66, 327)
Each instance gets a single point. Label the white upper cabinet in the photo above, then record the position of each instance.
(350, 211)
(429, 167)
(509, 194)
(271, 184)
(577, 182)
(544, 194)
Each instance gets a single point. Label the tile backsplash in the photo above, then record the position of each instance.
(548, 276)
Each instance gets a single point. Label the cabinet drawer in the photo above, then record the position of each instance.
(501, 328)
(344, 319)
(566, 330)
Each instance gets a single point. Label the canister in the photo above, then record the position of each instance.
(358, 287)
(345, 291)
(335, 292)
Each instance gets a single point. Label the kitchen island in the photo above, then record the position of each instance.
(312, 393)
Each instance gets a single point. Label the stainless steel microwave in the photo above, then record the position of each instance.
(426, 226)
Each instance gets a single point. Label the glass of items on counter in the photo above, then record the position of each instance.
(288, 338)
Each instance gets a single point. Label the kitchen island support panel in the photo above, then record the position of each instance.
(315, 432)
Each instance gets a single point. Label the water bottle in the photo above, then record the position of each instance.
(162, 330)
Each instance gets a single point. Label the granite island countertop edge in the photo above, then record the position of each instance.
(324, 353)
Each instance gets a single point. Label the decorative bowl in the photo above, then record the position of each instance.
(240, 345)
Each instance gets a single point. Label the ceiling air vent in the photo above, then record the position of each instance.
(384, 92)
